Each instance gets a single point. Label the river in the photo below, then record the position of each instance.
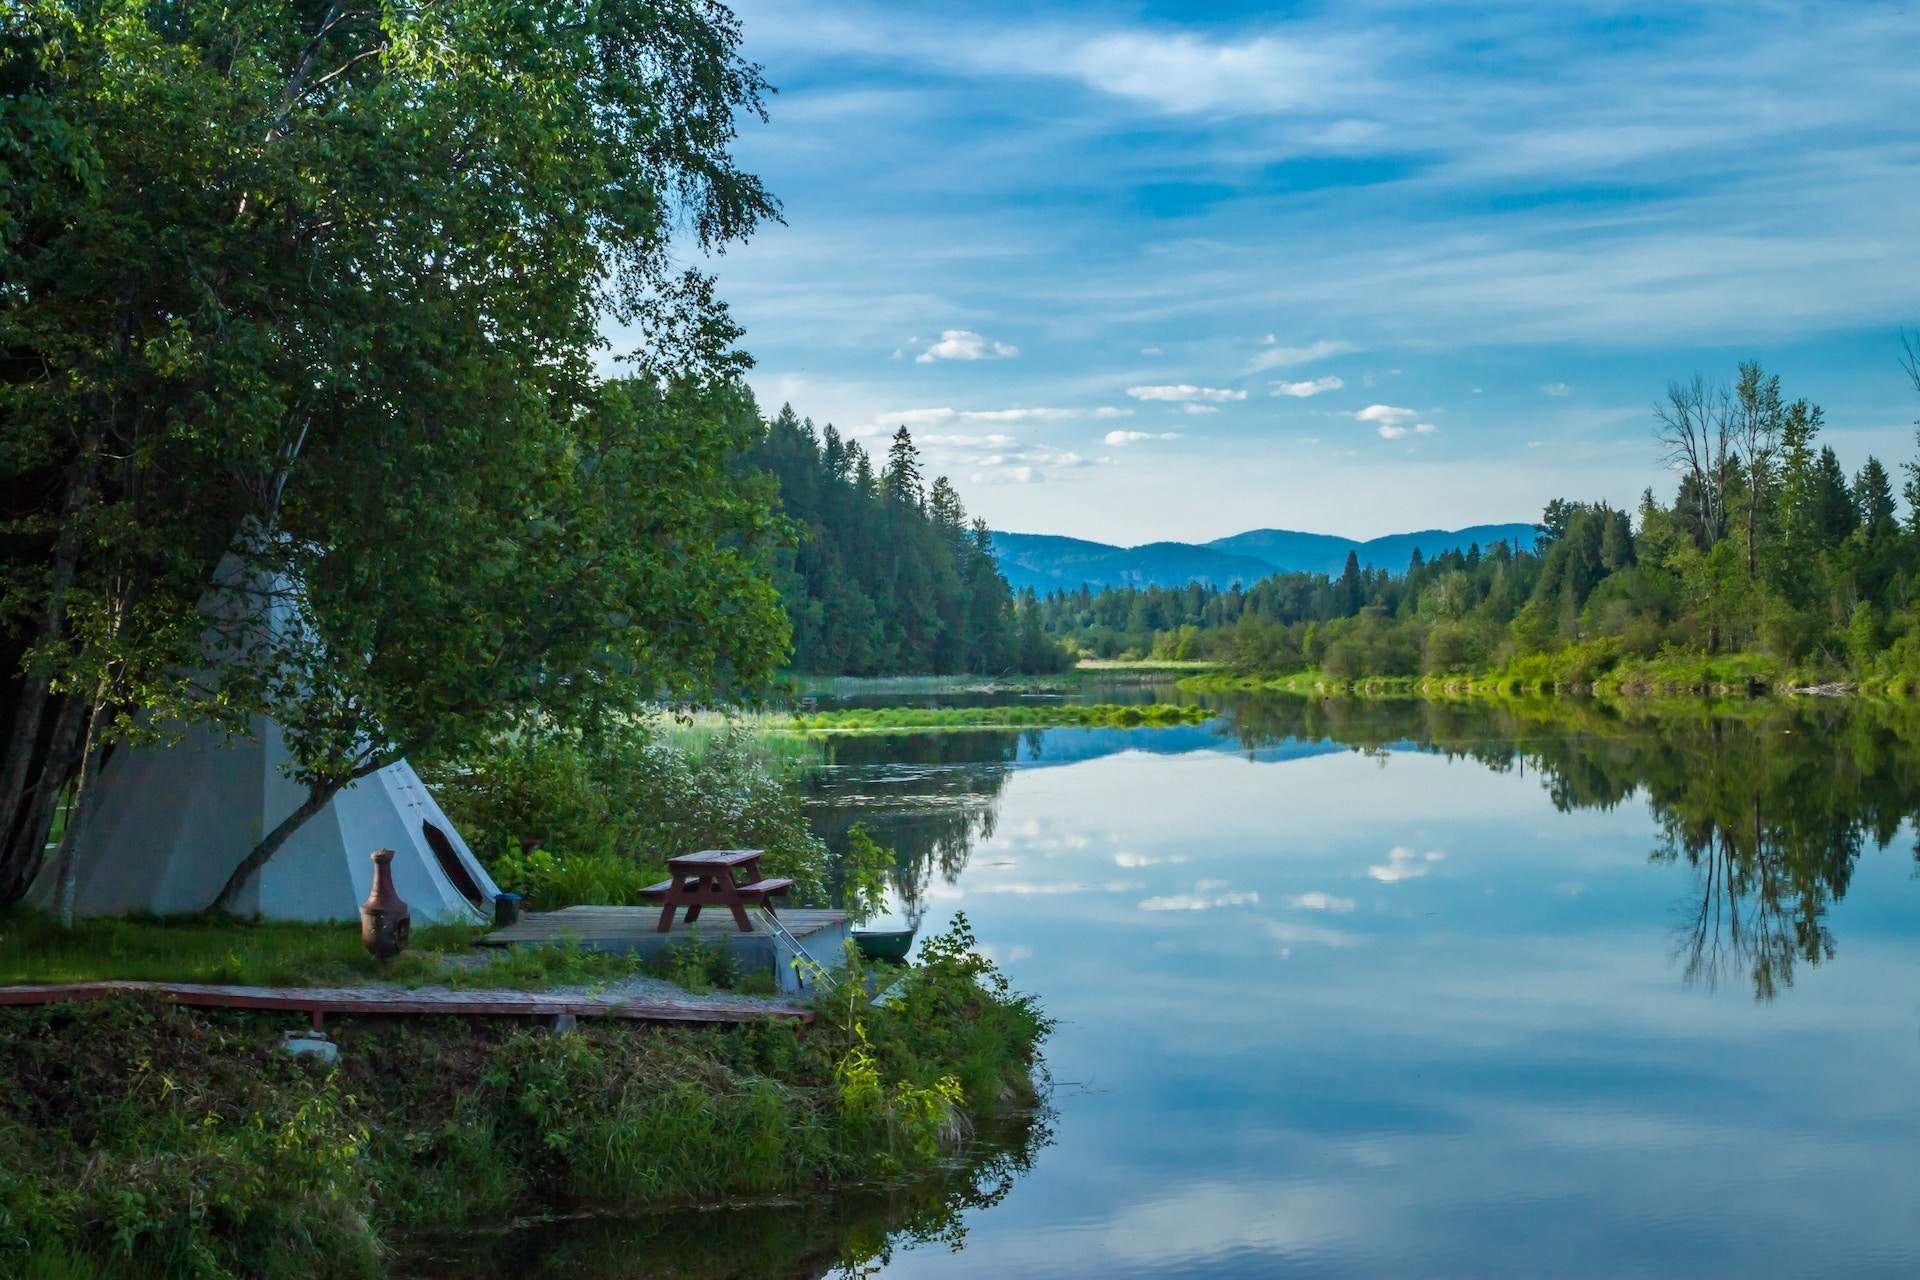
(1409, 989)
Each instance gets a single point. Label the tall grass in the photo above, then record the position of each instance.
(1039, 715)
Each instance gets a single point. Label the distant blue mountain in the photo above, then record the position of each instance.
(1045, 562)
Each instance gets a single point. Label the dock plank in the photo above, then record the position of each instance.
(354, 1001)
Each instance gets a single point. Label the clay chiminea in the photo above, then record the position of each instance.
(384, 918)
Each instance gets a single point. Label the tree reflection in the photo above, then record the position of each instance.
(1770, 803)
(930, 797)
(842, 1234)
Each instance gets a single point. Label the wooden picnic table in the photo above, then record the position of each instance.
(715, 878)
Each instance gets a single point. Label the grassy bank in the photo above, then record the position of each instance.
(245, 953)
(1038, 716)
(1583, 670)
(151, 1140)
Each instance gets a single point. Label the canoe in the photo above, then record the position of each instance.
(884, 944)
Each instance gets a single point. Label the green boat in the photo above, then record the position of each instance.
(884, 944)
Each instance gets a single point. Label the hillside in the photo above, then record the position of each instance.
(1046, 562)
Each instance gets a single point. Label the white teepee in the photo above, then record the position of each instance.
(171, 822)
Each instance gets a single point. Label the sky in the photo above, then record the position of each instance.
(1171, 271)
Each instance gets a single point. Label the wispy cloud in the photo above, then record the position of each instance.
(1135, 437)
(1200, 901)
(1386, 413)
(1556, 389)
(1317, 901)
(1185, 392)
(1272, 355)
(1126, 859)
(1404, 864)
(965, 344)
(1302, 390)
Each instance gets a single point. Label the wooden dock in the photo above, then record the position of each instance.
(318, 1002)
(821, 934)
(620, 928)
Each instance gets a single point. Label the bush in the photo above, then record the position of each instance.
(609, 810)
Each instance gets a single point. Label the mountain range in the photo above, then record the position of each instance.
(1046, 562)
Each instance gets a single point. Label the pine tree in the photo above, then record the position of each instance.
(901, 479)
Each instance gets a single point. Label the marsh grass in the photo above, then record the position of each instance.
(1034, 716)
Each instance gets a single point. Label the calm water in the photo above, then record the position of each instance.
(1404, 990)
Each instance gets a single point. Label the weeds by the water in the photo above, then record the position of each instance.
(1045, 715)
(151, 1139)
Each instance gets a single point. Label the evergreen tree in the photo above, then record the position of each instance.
(884, 581)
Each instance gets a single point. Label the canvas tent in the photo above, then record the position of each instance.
(172, 821)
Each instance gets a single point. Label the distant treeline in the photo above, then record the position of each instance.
(889, 575)
(1768, 548)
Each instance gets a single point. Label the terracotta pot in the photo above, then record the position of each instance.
(384, 918)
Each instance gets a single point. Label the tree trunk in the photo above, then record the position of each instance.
(317, 797)
(26, 838)
(29, 718)
(83, 803)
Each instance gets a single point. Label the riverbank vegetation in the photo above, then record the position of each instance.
(1769, 567)
(1030, 716)
(148, 1139)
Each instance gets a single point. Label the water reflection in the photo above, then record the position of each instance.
(1400, 989)
(1769, 804)
(850, 1233)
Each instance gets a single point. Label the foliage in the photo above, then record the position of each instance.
(863, 873)
(323, 288)
(148, 1139)
(611, 806)
(889, 576)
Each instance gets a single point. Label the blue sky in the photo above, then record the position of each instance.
(1152, 271)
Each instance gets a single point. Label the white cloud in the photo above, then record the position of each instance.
(1152, 351)
(1200, 902)
(1317, 901)
(964, 344)
(1274, 356)
(1131, 860)
(915, 419)
(1186, 74)
(1556, 389)
(1386, 413)
(1390, 432)
(1195, 409)
(1404, 864)
(1301, 390)
(1185, 392)
(1134, 437)
(1425, 428)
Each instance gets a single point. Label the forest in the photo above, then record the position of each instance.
(1768, 553)
(886, 574)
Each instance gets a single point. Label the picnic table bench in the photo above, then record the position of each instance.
(715, 878)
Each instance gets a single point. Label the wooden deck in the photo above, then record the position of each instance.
(618, 928)
(317, 1002)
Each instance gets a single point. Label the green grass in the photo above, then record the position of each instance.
(1042, 715)
(1592, 669)
(782, 754)
(33, 949)
(1147, 664)
(150, 1139)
